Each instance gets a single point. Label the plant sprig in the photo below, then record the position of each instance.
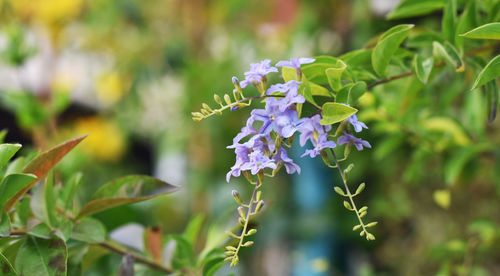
(246, 212)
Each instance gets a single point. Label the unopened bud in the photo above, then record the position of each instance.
(259, 206)
(235, 81)
(247, 244)
(206, 106)
(217, 99)
(227, 99)
(234, 107)
(241, 211)
(236, 197)
(251, 232)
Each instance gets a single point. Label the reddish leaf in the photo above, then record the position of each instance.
(41, 164)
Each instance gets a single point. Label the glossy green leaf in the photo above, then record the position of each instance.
(350, 93)
(12, 184)
(449, 20)
(487, 31)
(490, 72)
(357, 58)
(422, 67)
(387, 45)
(6, 152)
(305, 90)
(334, 75)
(318, 90)
(7, 269)
(23, 212)
(289, 74)
(41, 164)
(411, 8)
(89, 230)
(40, 257)
(335, 112)
(124, 190)
(448, 53)
(315, 72)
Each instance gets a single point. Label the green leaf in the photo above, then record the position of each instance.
(449, 54)
(315, 72)
(492, 92)
(42, 231)
(456, 164)
(4, 224)
(350, 93)
(487, 31)
(305, 90)
(467, 20)
(334, 75)
(69, 190)
(289, 74)
(40, 257)
(183, 254)
(193, 228)
(387, 45)
(318, 90)
(212, 266)
(6, 152)
(124, 190)
(411, 8)
(357, 58)
(29, 112)
(335, 112)
(490, 71)
(23, 212)
(422, 67)
(12, 184)
(449, 20)
(41, 164)
(7, 269)
(89, 230)
(43, 201)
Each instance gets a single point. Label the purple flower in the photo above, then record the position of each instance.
(319, 145)
(295, 62)
(311, 129)
(357, 142)
(291, 90)
(245, 154)
(285, 123)
(258, 161)
(257, 72)
(282, 156)
(358, 126)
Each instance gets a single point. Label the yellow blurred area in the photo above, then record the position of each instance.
(105, 141)
(110, 87)
(46, 11)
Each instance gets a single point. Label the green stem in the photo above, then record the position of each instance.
(247, 219)
(349, 194)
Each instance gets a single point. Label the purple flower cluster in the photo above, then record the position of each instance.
(279, 119)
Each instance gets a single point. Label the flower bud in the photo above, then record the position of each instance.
(217, 99)
(227, 99)
(241, 211)
(235, 81)
(234, 108)
(259, 206)
(236, 197)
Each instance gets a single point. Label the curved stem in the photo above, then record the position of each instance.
(247, 220)
(349, 194)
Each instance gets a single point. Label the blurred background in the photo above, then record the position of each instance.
(129, 73)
